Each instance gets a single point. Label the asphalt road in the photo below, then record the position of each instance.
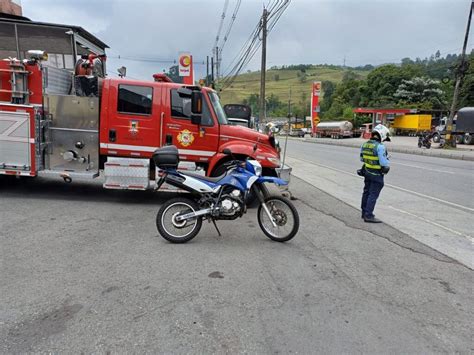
(446, 179)
(83, 270)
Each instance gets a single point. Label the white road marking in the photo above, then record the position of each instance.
(468, 237)
(394, 187)
(420, 167)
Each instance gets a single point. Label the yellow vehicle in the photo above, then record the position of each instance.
(411, 124)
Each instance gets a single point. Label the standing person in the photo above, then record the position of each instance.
(376, 164)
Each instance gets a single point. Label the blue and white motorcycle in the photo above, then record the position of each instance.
(220, 198)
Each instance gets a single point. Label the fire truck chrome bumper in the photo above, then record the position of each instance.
(284, 173)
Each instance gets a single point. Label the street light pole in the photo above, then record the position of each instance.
(459, 76)
(263, 67)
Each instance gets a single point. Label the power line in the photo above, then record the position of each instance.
(254, 42)
(226, 36)
(226, 4)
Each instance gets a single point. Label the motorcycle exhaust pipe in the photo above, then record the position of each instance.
(193, 214)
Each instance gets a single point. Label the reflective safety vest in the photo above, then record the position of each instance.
(370, 155)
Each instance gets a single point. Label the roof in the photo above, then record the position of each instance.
(384, 110)
(87, 35)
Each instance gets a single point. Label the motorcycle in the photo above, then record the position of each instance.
(424, 140)
(220, 198)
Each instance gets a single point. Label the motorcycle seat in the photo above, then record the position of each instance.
(201, 177)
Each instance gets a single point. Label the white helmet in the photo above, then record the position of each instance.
(383, 132)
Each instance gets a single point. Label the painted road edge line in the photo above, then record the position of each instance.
(468, 237)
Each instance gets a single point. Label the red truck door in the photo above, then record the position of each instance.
(195, 142)
(133, 111)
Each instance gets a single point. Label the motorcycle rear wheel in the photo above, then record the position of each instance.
(285, 215)
(178, 231)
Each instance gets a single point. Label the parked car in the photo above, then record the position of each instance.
(297, 133)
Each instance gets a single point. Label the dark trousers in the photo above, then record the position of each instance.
(373, 184)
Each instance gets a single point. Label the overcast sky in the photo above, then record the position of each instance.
(310, 31)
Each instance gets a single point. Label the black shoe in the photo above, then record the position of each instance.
(372, 220)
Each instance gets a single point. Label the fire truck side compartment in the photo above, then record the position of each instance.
(73, 133)
(15, 136)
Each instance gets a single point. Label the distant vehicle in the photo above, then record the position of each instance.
(411, 125)
(424, 140)
(335, 130)
(463, 127)
(240, 115)
(299, 132)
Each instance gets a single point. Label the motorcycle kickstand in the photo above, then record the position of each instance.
(215, 225)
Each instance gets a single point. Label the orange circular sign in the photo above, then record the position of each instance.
(185, 61)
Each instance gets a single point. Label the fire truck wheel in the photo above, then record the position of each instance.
(171, 228)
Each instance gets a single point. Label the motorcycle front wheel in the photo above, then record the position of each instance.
(178, 231)
(284, 215)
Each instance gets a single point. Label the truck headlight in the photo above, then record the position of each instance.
(274, 161)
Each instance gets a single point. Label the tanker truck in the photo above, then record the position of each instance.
(335, 130)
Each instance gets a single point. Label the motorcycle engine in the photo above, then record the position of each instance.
(231, 204)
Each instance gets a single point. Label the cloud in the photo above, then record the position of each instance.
(310, 31)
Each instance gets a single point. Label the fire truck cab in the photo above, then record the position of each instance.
(56, 123)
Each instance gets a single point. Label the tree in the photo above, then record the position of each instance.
(254, 102)
(173, 74)
(466, 96)
(302, 75)
(383, 82)
(421, 91)
(328, 88)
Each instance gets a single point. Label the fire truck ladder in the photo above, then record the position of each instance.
(19, 83)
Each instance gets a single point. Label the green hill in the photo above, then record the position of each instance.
(280, 81)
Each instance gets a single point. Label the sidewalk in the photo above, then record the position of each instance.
(404, 145)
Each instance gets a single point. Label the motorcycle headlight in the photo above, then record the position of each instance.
(257, 168)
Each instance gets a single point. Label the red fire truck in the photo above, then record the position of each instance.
(70, 125)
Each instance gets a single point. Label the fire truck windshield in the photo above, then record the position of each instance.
(221, 116)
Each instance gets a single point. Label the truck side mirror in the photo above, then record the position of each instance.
(196, 102)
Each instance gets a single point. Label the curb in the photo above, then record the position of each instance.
(457, 155)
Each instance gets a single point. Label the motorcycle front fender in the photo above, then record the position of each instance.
(272, 179)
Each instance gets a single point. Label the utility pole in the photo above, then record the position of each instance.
(263, 67)
(289, 127)
(459, 76)
(207, 71)
(212, 72)
(217, 63)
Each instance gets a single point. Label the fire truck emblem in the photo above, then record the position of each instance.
(185, 138)
(133, 128)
